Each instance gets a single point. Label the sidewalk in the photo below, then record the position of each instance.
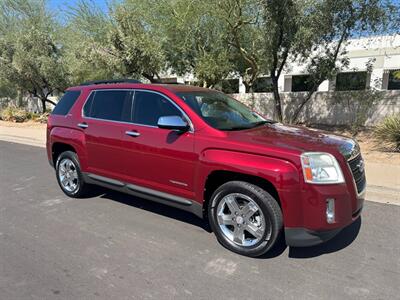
(383, 174)
(33, 134)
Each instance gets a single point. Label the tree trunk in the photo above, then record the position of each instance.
(296, 113)
(151, 78)
(19, 98)
(249, 83)
(44, 100)
(43, 104)
(314, 89)
(277, 100)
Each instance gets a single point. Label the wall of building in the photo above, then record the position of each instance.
(382, 53)
(330, 108)
(31, 104)
(377, 55)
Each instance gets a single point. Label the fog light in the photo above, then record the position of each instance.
(330, 210)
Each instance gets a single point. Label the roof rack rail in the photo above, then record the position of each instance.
(111, 81)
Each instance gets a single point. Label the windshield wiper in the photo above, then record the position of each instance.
(237, 128)
(253, 125)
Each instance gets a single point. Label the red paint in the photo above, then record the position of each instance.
(160, 156)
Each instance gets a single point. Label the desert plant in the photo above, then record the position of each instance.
(42, 118)
(13, 114)
(7, 113)
(388, 132)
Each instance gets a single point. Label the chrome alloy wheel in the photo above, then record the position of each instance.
(241, 220)
(68, 175)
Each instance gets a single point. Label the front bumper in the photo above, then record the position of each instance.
(302, 237)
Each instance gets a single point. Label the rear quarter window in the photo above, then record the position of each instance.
(112, 105)
(66, 102)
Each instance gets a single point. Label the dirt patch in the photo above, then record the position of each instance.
(372, 151)
(28, 124)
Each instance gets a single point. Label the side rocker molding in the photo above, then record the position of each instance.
(191, 206)
(106, 180)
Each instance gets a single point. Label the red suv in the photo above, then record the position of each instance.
(204, 152)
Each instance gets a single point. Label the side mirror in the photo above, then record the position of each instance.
(173, 123)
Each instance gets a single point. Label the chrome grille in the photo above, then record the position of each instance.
(357, 169)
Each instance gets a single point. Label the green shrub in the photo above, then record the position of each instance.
(42, 118)
(388, 132)
(33, 116)
(13, 114)
(6, 114)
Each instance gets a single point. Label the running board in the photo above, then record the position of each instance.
(151, 192)
(106, 180)
(146, 193)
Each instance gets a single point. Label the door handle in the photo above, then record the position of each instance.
(83, 125)
(132, 133)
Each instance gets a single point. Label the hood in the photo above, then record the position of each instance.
(297, 138)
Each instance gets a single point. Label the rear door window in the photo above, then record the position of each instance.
(66, 102)
(113, 105)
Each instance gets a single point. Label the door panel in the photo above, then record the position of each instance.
(104, 147)
(105, 114)
(159, 158)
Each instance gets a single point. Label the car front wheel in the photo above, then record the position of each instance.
(245, 218)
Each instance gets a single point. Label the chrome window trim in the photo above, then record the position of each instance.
(133, 90)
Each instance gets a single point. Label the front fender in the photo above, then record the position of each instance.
(282, 174)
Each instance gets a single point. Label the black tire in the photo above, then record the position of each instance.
(266, 203)
(82, 187)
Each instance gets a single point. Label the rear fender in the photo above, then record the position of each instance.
(73, 137)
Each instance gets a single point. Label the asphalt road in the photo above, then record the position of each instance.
(114, 246)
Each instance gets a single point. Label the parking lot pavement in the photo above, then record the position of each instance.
(114, 246)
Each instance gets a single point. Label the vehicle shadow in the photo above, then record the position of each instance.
(341, 241)
(150, 206)
(276, 250)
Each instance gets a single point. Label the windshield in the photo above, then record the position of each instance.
(221, 111)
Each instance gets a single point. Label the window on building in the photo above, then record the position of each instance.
(301, 83)
(170, 80)
(192, 82)
(230, 86)
(394, 80)
(351, 81)
(262, 85)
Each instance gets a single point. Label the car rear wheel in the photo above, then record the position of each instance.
(245, 218)
(69, 175)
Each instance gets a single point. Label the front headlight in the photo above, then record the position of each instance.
(321, 168)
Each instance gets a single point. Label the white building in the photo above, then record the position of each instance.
(381, 52)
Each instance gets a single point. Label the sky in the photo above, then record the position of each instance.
(57, 5)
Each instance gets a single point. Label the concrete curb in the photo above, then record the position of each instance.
(383, 194)
(23, 140)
